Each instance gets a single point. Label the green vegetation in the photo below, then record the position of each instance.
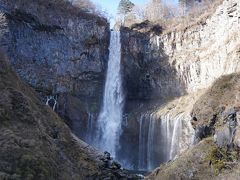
(32, 167)
(220, 158)
(125, 6)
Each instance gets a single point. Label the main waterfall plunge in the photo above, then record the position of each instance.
(160, 137)
(110, 118)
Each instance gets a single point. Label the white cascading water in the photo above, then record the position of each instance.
(142, 159)
(110, 118)
(90, 128)
(162, 138)
(151, 142)
(54, 99)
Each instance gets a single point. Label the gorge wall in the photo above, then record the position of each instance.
(37, 144)
(61, 51)
(182, 60)
(158, 69)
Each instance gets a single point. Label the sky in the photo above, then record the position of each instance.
(110, 6)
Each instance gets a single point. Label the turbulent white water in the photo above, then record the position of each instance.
(110, 118)
(162, 138)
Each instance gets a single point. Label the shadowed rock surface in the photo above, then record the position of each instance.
(36, 143)
(60, 50)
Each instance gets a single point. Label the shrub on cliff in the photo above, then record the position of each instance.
(169, 16)
(78, 8)
(3, 25)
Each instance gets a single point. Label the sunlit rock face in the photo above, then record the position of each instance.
(206, 51)
(60, 51)
(161, 68)
(182, 61)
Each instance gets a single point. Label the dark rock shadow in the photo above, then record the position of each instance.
(149, 81)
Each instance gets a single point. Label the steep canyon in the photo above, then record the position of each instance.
(166, 74)
(165, 77)
(60, 51)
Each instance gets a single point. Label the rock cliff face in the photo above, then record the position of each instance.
(60, 51)
(147, 71)
(160, 68)
(182, 61)
(216, 119)
(37, 144)
(208, 50)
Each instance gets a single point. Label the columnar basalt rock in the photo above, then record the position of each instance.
(160, 68)
(206, 51)
(65, 53)
(59, 50)
(183, 60)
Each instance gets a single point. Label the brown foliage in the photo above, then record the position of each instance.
(171, 16)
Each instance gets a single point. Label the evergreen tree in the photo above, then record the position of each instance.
(125, 6)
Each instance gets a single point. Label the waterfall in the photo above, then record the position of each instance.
(110, 117)
(176, 135)
(151, 143)
(52, 99)
(90, 127)
(161, 138)
(143, 130)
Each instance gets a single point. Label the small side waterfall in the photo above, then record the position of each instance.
(151, 152)
(52, 102)
(162, 138)
(142, 159)
(90, 127)
(110, 118)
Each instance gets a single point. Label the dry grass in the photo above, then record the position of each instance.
(196, 16)
(175, 21)
(80, 8)
(191, 164)
(223, 95)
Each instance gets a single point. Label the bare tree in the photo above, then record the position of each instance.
(139, 12)
(3, 25)
(156, 10)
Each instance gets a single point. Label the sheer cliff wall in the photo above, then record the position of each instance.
(61, 51)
